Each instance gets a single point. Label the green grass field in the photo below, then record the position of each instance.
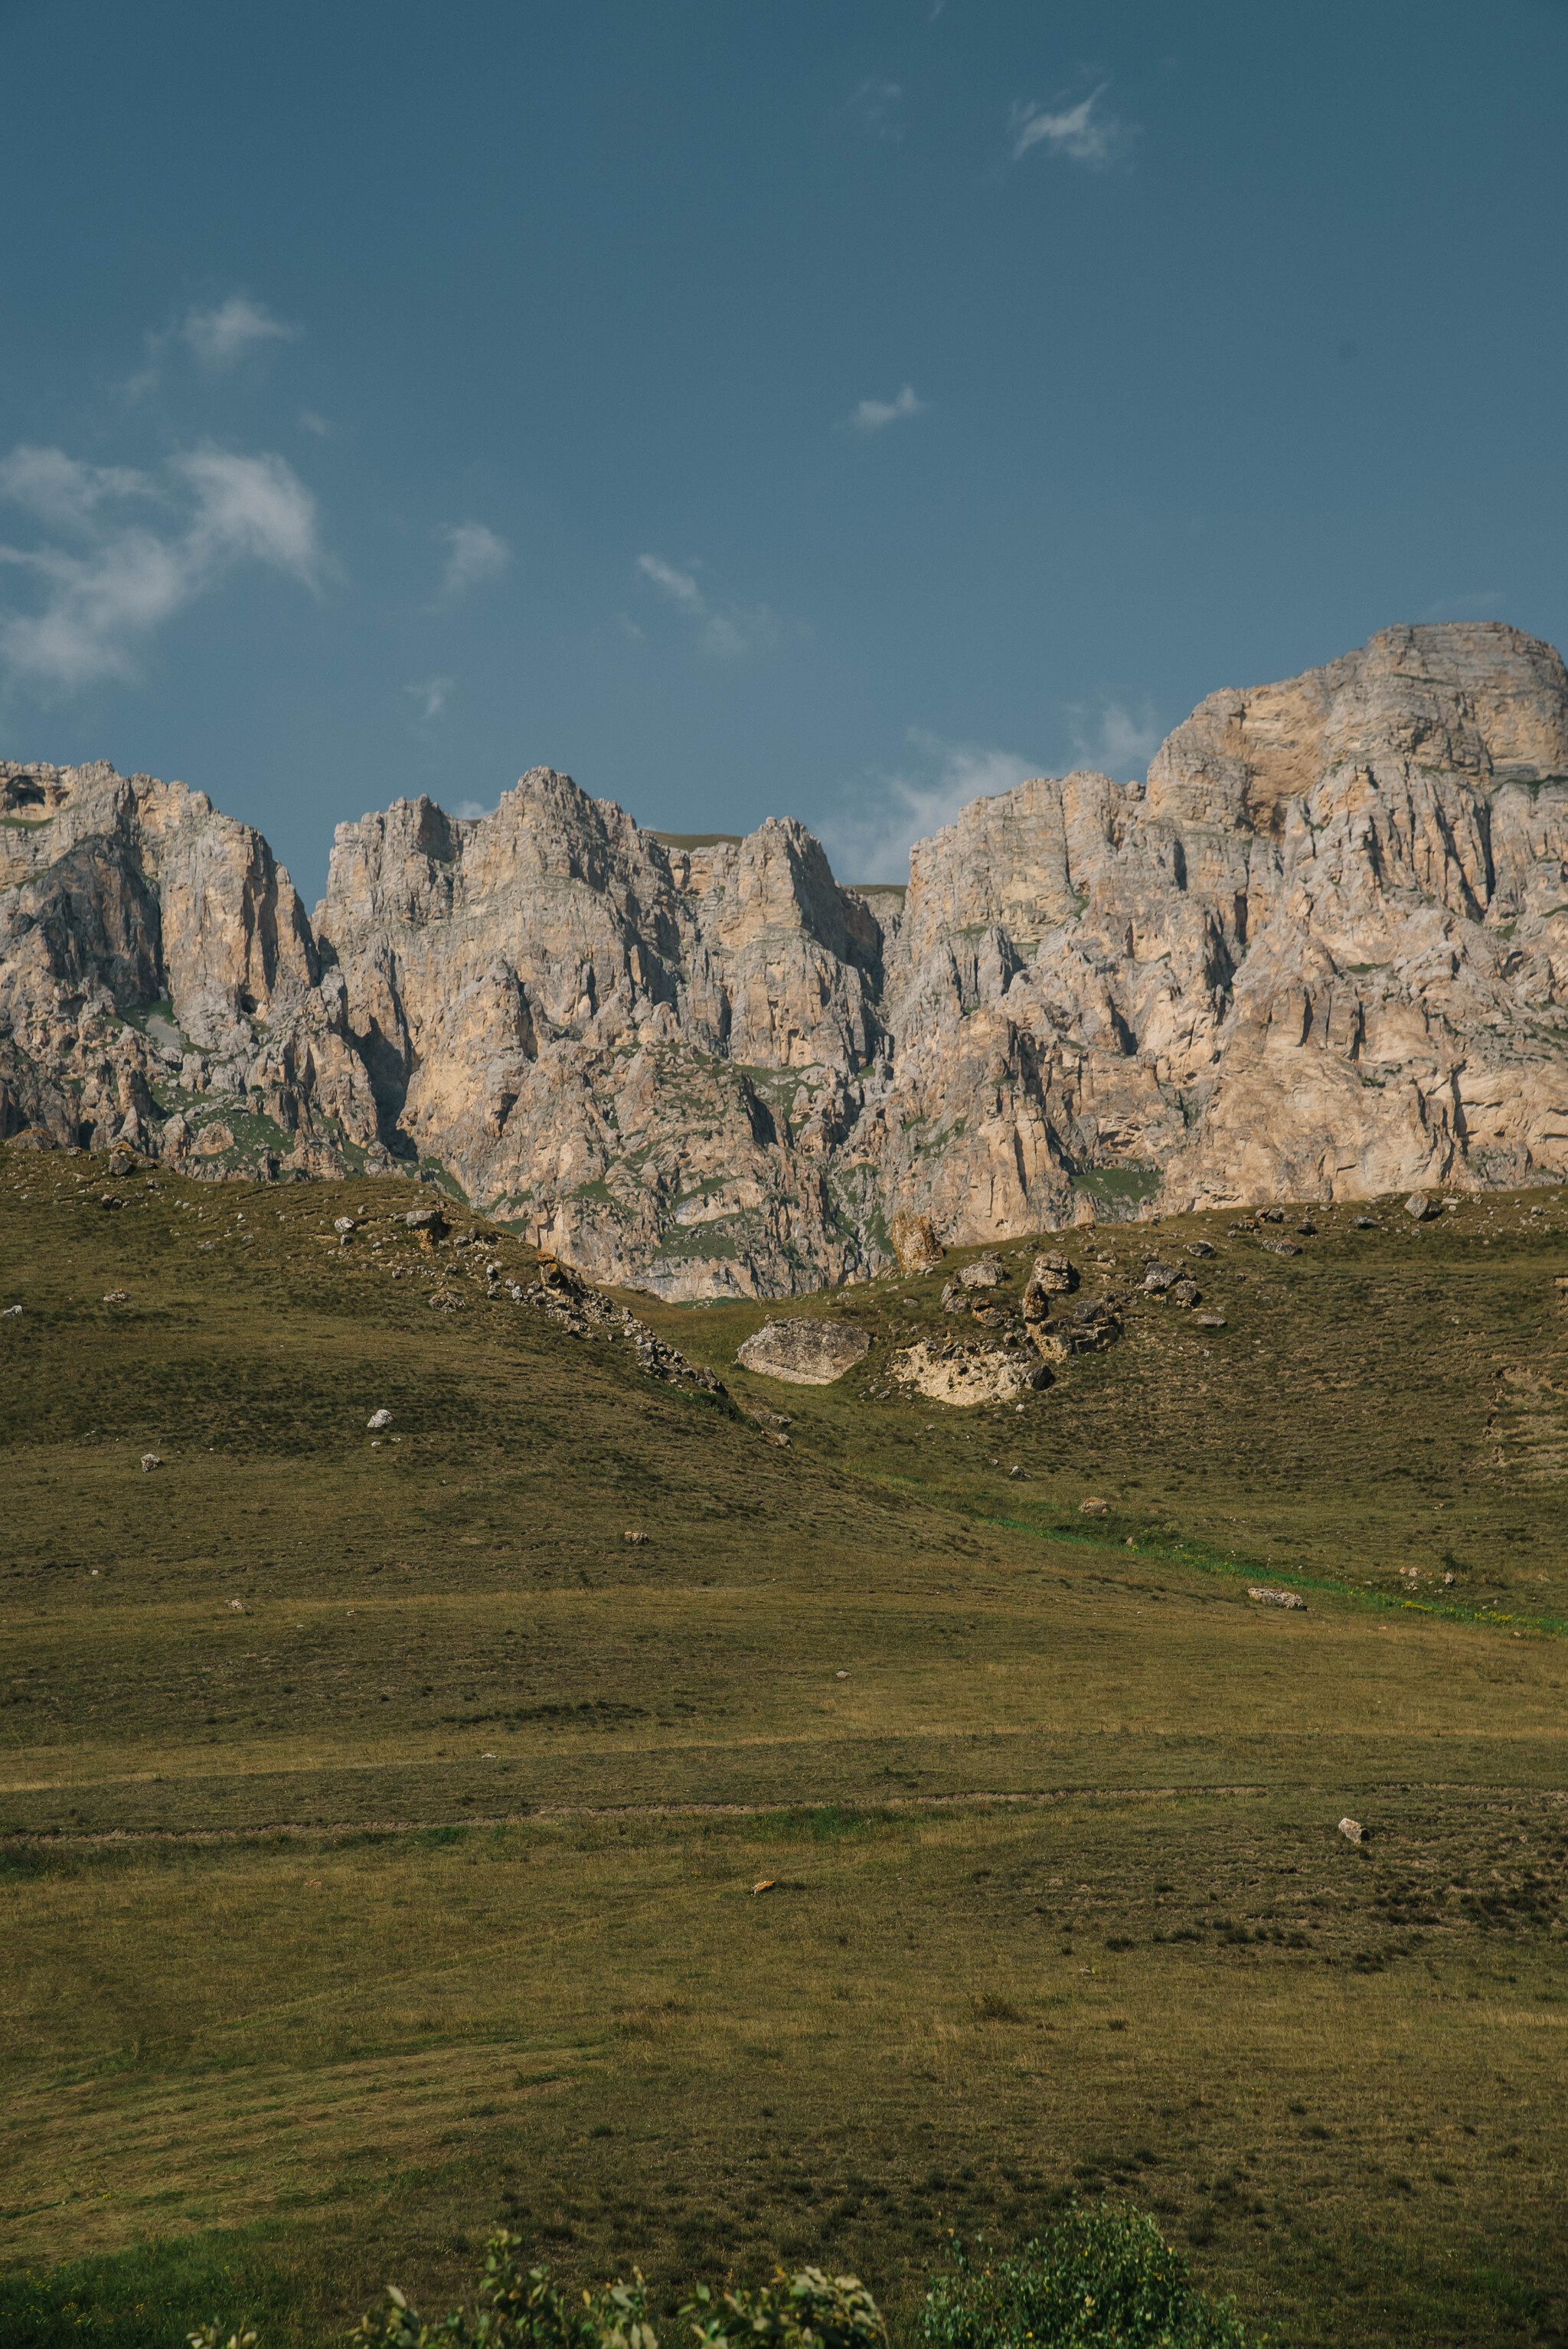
(379, 1828)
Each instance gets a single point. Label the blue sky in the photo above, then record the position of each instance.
(754, 407)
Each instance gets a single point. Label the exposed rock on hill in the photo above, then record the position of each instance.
(1322, 952)
(809, 1353)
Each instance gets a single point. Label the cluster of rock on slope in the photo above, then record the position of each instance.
(1321, 952)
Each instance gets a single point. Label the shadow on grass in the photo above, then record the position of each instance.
(150, 2296)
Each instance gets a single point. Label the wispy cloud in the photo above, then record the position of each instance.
(727, 631)
(218, 337)
(678, 586)
(1085, 133)
(877, 106)
(1465, 607)
(870, 838)
(311, 422)
(475, 555)
(873, 415)
(467, 811)
(1112, 739)
(131, 550)
(431, 695)
(62, 491)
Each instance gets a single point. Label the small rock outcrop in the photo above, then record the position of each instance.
(965, 1373)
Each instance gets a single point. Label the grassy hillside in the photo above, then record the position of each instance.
(378, 1827)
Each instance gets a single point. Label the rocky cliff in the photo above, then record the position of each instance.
(1322, 952)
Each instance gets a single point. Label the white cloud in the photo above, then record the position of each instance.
(678, 586)
(432, 694)
(311, 422)
(467, 811)
(871, 415)
(726, 631)
(870, 841)
(99, 599)
(61, 490)
(1082, 133)
(1112, 739)
(875, 105)
(731, 635)
(217, 340)
(218, 337)
(475, 556)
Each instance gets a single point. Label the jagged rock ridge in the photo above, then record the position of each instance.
(1322, 952)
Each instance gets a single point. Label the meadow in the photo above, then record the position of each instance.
(379, 1829)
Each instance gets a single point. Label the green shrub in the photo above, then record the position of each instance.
(1099, 2278)
(807, 2311)
(520, 2308)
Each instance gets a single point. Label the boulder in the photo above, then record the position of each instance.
(1093, 1507)
(805, 1352)
(379, 1419)
(1352, 1830)
(1200, 1247)
(985, 1272)
(1159, 1277)
(214, 1139)
(1268, 1597)
(1184, 1293)
(1095, 1323)
(1051, 1275)
(1422, 1209)
(915, 1244)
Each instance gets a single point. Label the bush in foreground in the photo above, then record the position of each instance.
(1097, 2278)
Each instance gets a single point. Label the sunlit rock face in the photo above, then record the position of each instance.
(1322, 952)
(158, 973)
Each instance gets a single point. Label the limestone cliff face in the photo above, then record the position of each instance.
(158, 973)
(1322, 952)
(599, 1034)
